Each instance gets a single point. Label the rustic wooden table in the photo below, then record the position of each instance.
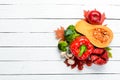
(28, 48)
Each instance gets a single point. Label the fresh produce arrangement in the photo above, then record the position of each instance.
(86, 42)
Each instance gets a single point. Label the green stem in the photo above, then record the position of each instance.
(82, 50)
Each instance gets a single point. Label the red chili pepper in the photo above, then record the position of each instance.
(76, 45)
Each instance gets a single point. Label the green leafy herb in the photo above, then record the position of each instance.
(72, 27)
(70, 33)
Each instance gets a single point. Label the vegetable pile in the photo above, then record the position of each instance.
(77, 47)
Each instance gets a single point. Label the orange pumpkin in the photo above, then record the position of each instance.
(99, 35)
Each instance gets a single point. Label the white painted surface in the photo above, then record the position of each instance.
(85, 2)
(54, 11)
(34, 25)
(61, 77)
(28, 46)
(54, 67)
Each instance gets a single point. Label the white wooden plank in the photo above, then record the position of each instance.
(37, 39)
(85, 2)
(37, 54)
(29, 54)
(45, 25)
(54, 11)
(54, 67)
(61, 77)
(27, 39)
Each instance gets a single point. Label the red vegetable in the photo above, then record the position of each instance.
(76, 63)
(80, 65)
(100, 56)
(98, 51)
(105, 56)
(77, 43)
(94, 17)
(88, 62)
(100, 61)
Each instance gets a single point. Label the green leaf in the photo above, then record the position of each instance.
(110, 54)
(82, 50)
(108, 48)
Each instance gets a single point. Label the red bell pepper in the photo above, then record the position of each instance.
(81, 48)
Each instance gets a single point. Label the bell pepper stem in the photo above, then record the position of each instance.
(82, 50)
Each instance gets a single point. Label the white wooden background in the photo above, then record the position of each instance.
(28, 48)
